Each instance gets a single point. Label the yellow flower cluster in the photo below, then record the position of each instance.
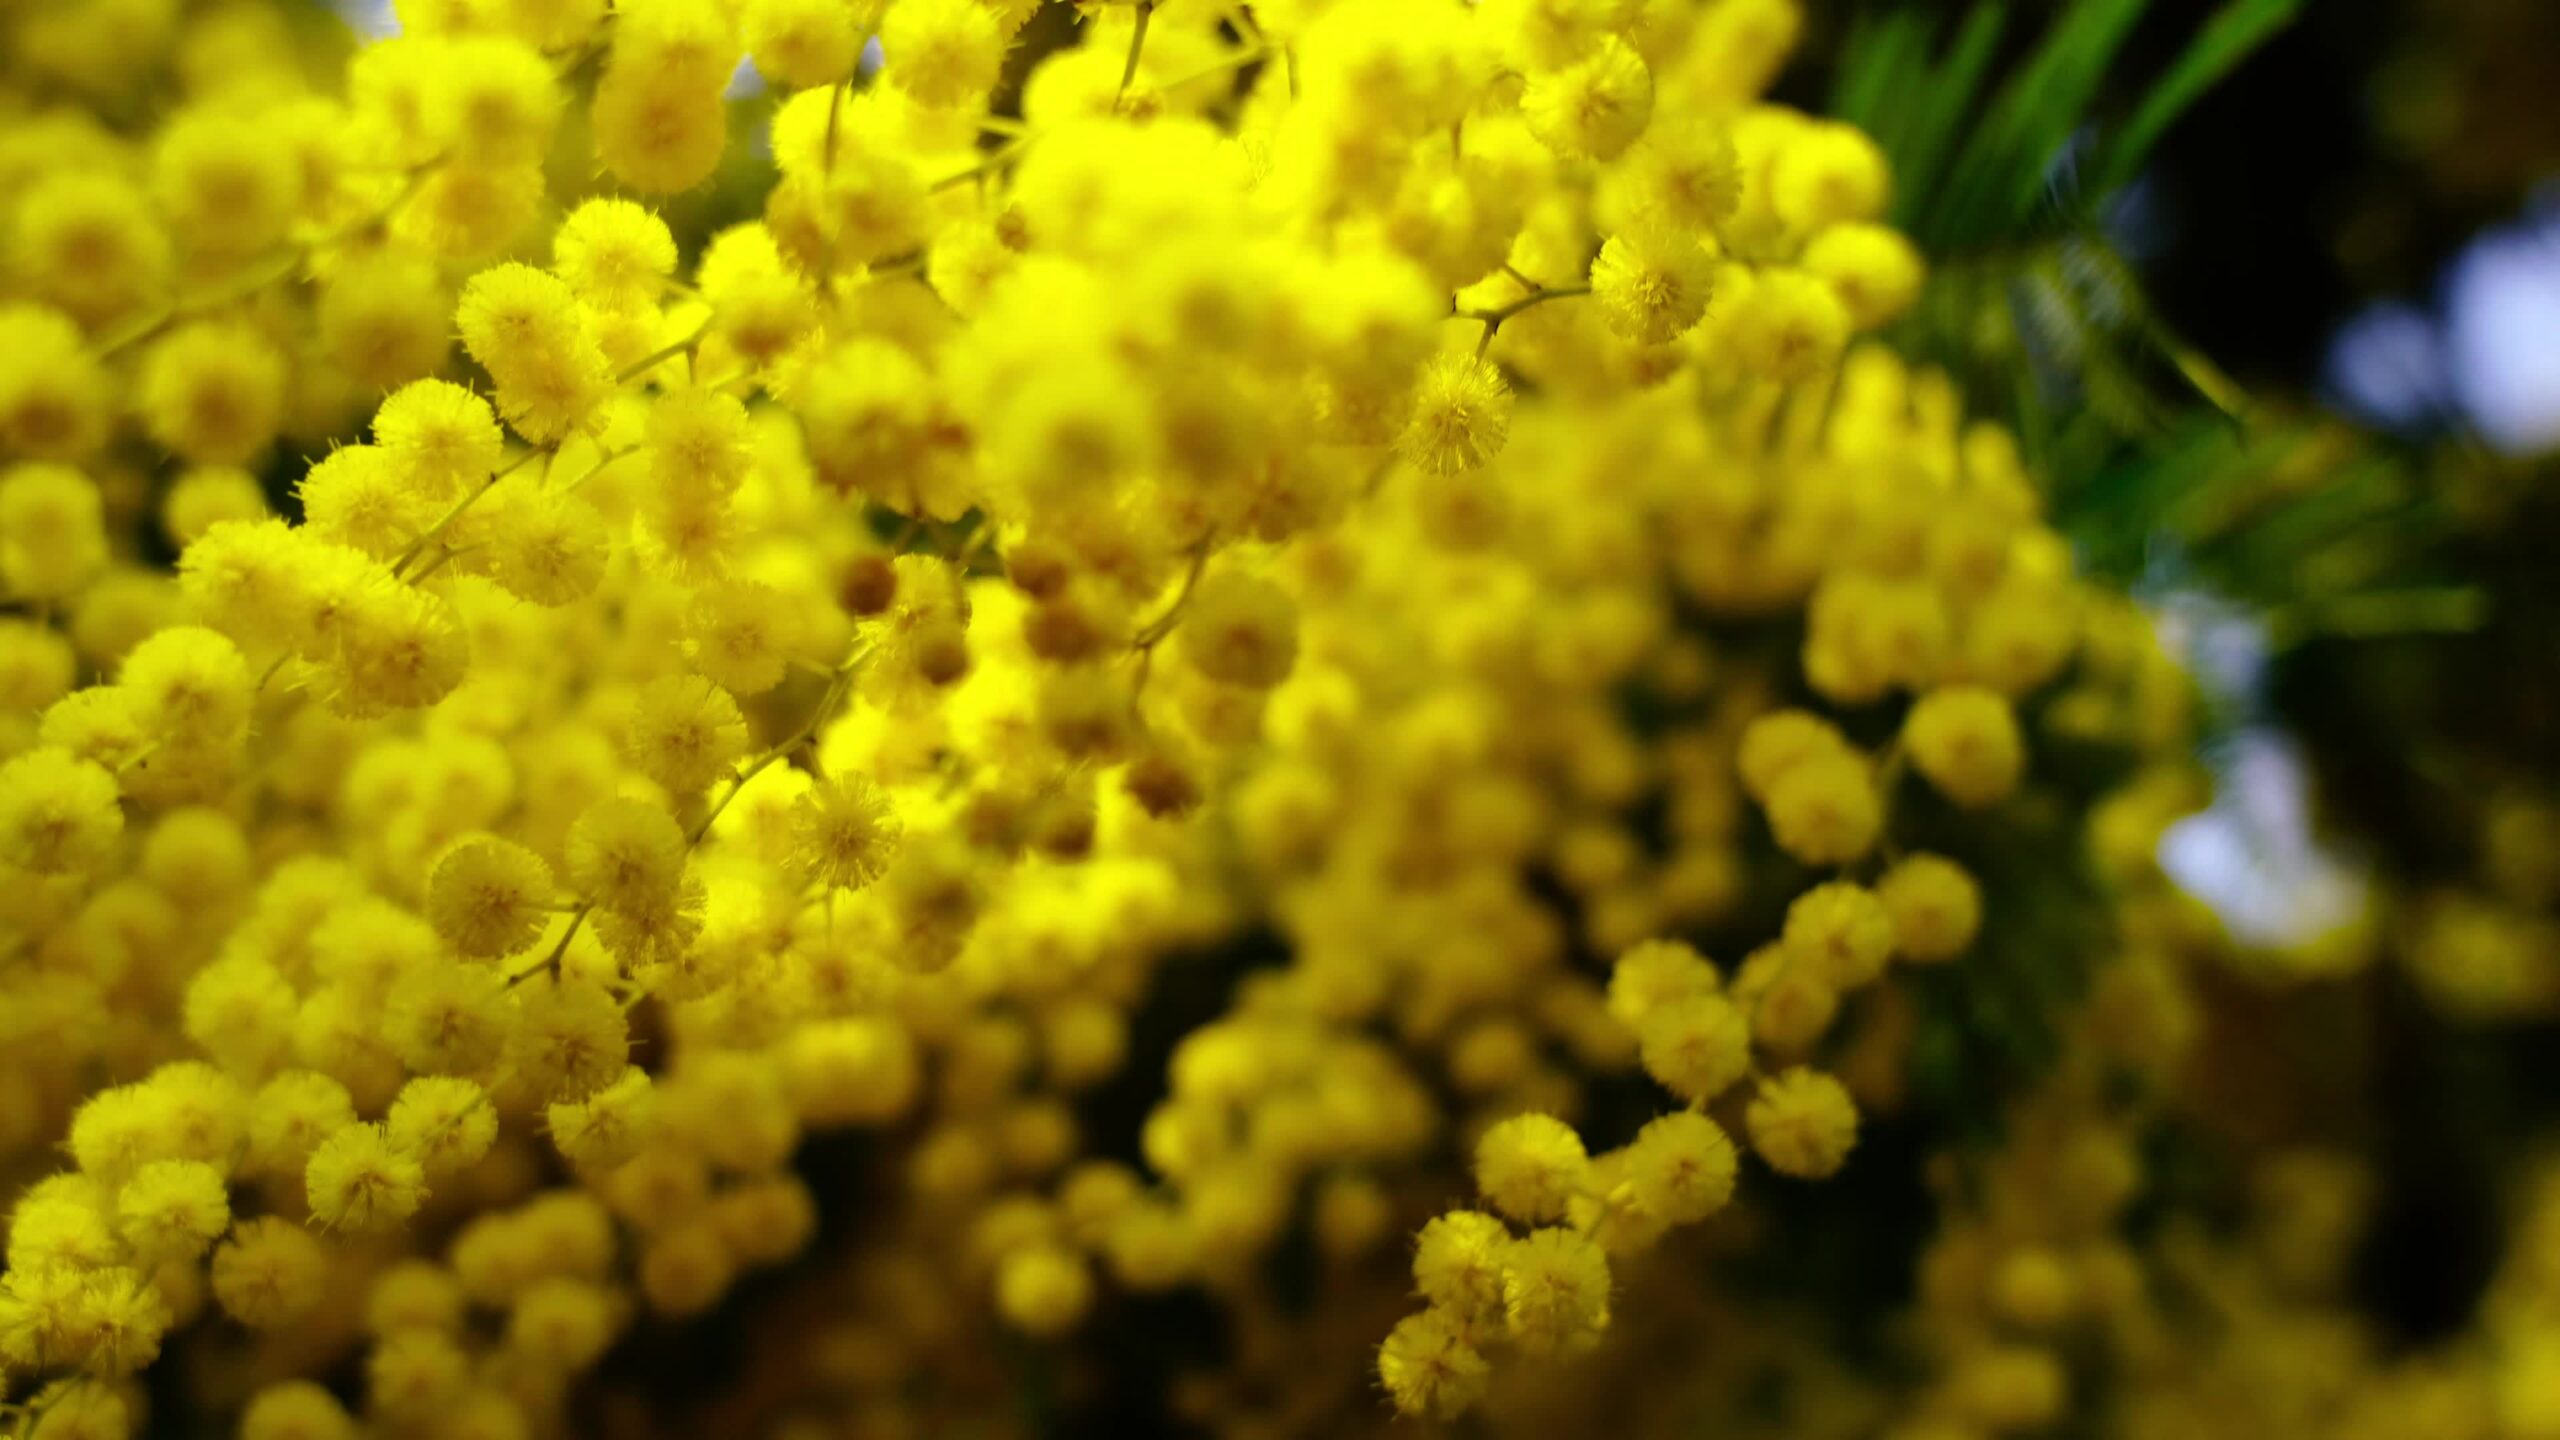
(1396, 475)
(2034, 1261)
(1925, 574)
(2044, 1300)
(2489, 951)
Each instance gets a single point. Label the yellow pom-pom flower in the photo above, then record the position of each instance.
(1530, 1166)
(1964, 740)
(1936, 907)
(1429, 1370)
(489, 897)
(1461, 413)
(1555, 1291)
(1802, 1123)
(627, 855)
(361, 1180)
(58, 812)
(269, 1273)
(171, 1210)
(1653, 281)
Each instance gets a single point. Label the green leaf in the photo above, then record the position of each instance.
(1999, 179)
(2438, 610)
(2081, 50)
(2234, 32)
(1877, 54)
(1946, 95)
(2277, 524)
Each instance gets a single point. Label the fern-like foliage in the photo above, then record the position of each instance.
(2009, 152)
(2007, 155)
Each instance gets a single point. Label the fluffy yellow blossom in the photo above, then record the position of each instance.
(1530, 1165)
(362, 1178)
(1966, 741)
(1935, 906)
(1803, 1123)
(1429, 1369)
(489, 897)
(1654, 280)
(960, 670)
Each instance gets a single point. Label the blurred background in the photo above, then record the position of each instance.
(2273, 291)
(2359, 207)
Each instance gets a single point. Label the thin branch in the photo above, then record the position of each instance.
(443, 523)
(1234, 60)
(259, 275)
(1003, 156)
(1492, 319)
(661, 355)
(843, 678)
(835, 112)
(1526, 302)
(1137, 46)
(603, 459)
(1153, 632)
(551, 962)
(268, 676)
